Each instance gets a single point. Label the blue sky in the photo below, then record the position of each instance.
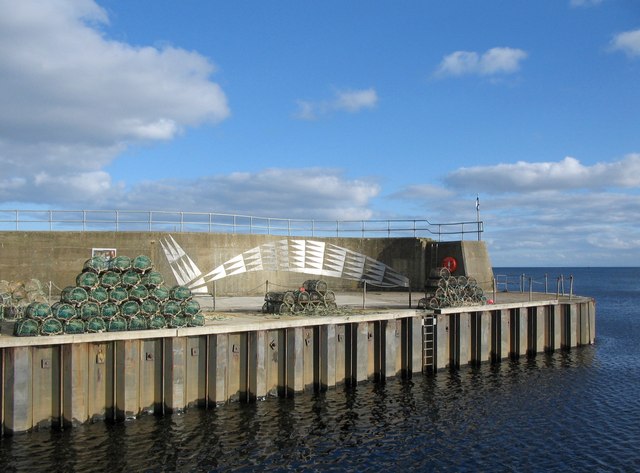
(335, 110)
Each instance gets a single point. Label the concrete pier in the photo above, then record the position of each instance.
(242, 355)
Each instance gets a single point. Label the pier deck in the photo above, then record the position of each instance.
(241, 354)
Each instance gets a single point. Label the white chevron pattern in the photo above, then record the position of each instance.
(300, 256)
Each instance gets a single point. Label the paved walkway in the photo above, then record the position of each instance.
(372, 300)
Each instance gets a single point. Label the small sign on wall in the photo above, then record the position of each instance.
(106, 253)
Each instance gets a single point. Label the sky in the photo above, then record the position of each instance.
(335, 110)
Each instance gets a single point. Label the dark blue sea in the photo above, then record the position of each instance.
(570, 411)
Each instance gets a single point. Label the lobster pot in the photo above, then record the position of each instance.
(13, 311)
(64, 311)
(130, 309)
(74, 295)
(96, 264)
(89, 310)
(118, 295)
(180, 293)
(317, 285)
(149, 307)
(110, 279)
(152, 279)
(26, 328)
(99, 295)
(5, 287)
(283, 308)
(160, 293)
(117, 324)
(195, 320)
(176, 321)
(51, 327)
(278, 307)
(170, 308)
(142, 264)
(73, 326)
(109, 310)
(302, 297)
(87, 280)
(274, 296)
(139, 293)
(190, 308)
(137, 322)
(17, 290)
(38, 310)
(120, 264)
(95, 325)
(329, 296)
(37, 296)
(130, 278)
(287, 297)
(33, 285)
(157, 322)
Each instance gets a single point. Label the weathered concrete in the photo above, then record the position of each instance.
(58, 257)
(472, 258)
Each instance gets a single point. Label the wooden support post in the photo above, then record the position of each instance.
(18, 395)
(75, 389)
(174, 374)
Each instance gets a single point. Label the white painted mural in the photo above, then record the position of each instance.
(299, 256)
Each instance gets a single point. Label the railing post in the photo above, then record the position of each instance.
(150, 219)
(50, 220)
(364, 294)
(493, 284)
(571, 286)
(117, 220)
(546, 283)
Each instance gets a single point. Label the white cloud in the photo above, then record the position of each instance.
(317, 193)
(351, 101)
(627, 42)
(568, 173)
(543, 214)
(492, 62)
(73, 99)
(356, 100)
(585, 3)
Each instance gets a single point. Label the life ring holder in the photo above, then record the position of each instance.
(450, 263)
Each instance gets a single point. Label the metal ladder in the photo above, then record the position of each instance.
(428, 343)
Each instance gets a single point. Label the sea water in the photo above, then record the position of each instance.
(573, 411)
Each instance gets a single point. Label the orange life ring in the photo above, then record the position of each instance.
(450, 263)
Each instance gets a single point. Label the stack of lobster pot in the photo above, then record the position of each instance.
(432, 283)
(312, 296)
(114, 295)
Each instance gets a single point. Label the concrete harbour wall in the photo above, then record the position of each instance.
(72, 379)
(58, 257)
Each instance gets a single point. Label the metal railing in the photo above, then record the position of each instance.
(526, 283)
(166, 221)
